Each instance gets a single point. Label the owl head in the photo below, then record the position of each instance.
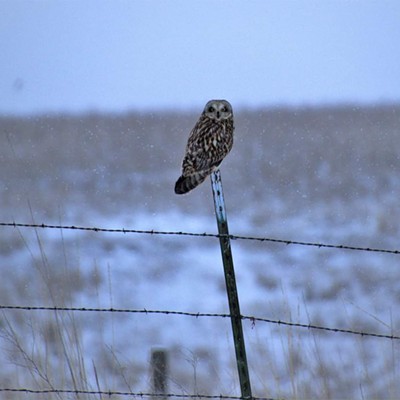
(218, 110)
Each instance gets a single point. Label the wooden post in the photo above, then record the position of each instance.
(230, 280)
(159, 371)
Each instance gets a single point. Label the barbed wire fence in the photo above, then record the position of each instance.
(196, 234)
(250, 318)
(129, 394)
(253, 319)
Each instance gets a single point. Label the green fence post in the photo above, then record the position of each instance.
(230, 280)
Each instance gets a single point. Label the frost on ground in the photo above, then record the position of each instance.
(328, 175)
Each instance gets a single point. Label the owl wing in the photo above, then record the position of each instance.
(205, 149)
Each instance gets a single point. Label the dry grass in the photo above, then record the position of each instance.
(331, 170)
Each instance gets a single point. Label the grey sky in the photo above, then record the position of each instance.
(118, 55)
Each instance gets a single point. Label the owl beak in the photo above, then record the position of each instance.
(218, 114)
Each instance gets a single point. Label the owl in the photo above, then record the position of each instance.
(209, 142)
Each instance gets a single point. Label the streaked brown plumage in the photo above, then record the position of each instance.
(209, 142)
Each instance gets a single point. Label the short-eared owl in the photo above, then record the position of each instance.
(209, 142)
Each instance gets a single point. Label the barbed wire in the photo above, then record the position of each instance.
(193, 234)
(131, 394)
(252, 319)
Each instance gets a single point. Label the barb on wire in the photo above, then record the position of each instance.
(252, 319)
(212, 235)
(130, 394)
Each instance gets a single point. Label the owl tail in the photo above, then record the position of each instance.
(186, 183)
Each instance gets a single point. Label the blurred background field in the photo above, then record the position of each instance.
(97, 101)
(320, 174)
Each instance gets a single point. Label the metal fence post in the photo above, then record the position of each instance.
(230, 280)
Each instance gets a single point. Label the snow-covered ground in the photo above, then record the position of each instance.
(324, 175)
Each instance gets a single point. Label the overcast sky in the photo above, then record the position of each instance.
(120, 55)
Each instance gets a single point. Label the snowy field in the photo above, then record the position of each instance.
(328, 175)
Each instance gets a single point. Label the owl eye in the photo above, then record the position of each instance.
(224, 109)
(211, 109)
